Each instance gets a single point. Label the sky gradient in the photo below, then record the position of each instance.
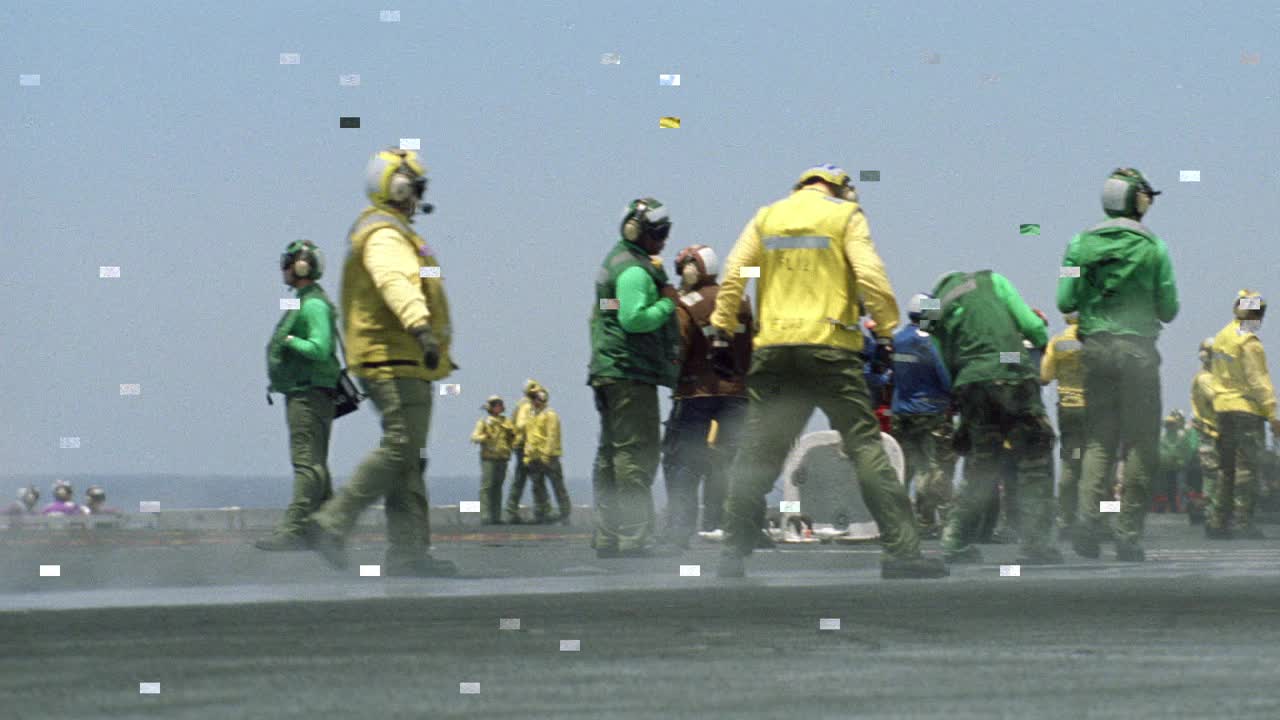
(167, 139)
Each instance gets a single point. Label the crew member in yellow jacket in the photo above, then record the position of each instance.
(520, 418)
(813, 254)
(398, 340)
(1205, 422)
(1061, 362)
(542, 458)
(1245, 400)
(493, 434)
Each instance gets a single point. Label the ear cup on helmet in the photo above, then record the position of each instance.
(632, 230)
(304, 259)
(400, 189)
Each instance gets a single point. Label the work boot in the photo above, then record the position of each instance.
(1041, 556)
(970, 555)
(731, 565)
(1250, 532)
(331, 546)
(282, 542)
(1085, 543)
(422, 567)
(1217, 533)
(1129, 551)
(916, 568)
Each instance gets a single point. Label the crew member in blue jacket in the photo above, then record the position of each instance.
(922, 419)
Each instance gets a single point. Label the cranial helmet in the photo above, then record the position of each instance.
(395, 177)
(645, 219)
(833, 175)
(1249, 305)
(1206, 350)
(915, 308)
(62, 490)
(1120, 193)
(305, 258)
(702, 256)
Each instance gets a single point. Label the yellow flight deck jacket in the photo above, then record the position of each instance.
(494, 434)
(1240, 373)
(816, 262)
(391, 285)
(542, 436)
(1202, 391)
(1061, 362)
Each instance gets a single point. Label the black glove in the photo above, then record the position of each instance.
(882, 359)
(721, 354)
(430, 347)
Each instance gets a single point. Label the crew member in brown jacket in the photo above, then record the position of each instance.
(701, 396)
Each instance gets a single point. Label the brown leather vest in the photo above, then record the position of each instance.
(697, 377)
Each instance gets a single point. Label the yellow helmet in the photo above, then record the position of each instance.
(829, 173)
(1249, 305)
(394, 177)
(834, 176)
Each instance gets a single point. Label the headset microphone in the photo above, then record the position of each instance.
(428, 208)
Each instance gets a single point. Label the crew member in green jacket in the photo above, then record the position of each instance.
(979, 327)
(1118, 276)
(302, 365)
(635, 347)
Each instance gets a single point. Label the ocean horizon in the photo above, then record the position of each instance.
(125, 491)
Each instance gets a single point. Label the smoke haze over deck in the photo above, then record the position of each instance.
(171, 142)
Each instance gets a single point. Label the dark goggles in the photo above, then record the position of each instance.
(660, 231)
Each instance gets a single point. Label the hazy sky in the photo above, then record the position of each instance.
(167, 139)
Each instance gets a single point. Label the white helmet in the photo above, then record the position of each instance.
(915, 308)
(701, 256)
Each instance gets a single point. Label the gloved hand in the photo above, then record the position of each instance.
(430, 347)
(721, 354)
(882, 360)
(670, 293)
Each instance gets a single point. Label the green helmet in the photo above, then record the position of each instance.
(305, 258)
(1120, 192)
(645, 219)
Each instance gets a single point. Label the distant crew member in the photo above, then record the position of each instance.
(494, 434)
(542, 456)
(63, 501)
